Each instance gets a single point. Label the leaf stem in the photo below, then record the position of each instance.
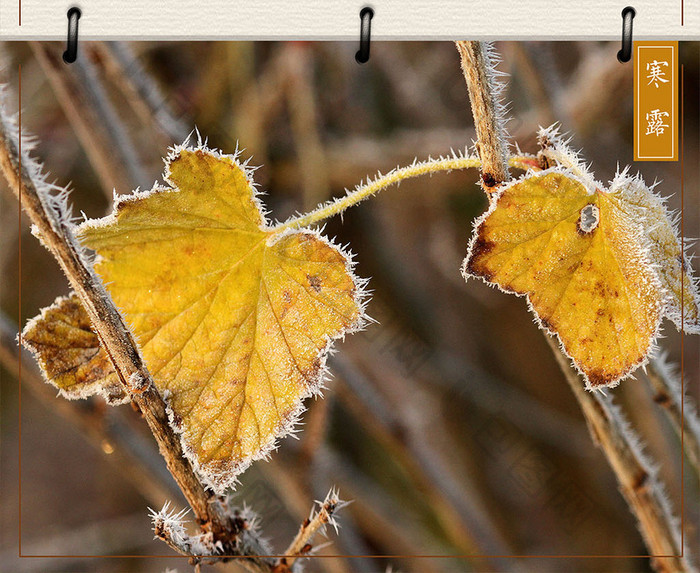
(362, 192)
(394, 177)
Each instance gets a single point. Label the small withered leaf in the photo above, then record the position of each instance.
(69, 352)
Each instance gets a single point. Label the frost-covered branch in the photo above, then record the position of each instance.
(46, 206)
(479, 67)
(683, 415)
(317, 521)
(169, 526)
(635, 473)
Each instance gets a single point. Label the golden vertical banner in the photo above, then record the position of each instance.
(656, 101)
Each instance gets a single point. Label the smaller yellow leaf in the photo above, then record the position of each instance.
(600, 267)
(69, 352)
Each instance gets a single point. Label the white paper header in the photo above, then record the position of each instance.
(339, 19)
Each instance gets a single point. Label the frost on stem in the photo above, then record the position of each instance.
(169, 526)
(479, 61)
(317, 522)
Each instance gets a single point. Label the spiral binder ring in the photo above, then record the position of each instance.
(625, 52)
(71, 52)
(366, 15)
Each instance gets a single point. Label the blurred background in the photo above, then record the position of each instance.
(448, 422)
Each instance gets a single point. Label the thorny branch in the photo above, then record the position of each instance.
(478, 65)
(682, 414)
(316, 523)
(638, 481)
(635, 474)
(49, 215)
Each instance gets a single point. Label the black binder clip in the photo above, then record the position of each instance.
(71, 52)
(362, 54)
(625, 52)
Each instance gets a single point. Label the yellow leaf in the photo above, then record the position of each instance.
(234, 319)
(599, 267)
(69, 352)
(633, 198)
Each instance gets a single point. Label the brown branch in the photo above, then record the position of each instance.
(479, 71)
(316, 523)
(635, 475)
(683, 416)
(294, 491)
(49, 215)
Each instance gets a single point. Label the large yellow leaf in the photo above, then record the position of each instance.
(234, 319)
(599, 267)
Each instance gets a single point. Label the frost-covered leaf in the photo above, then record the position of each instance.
(69, 352)
(234, 318)
(600, 267)
(672, 267)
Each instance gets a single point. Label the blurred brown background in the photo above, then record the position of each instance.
(449, 422)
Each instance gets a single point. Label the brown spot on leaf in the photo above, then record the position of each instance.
(600, 377)
(287, 297)
(314, 282)
(480, 248)
(311, 373)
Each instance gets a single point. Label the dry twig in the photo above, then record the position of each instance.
(634, 471)
(680, 411)
(316, 523)
(478, 66)
(49, 214)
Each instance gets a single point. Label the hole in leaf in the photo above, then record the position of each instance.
(588, 221)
